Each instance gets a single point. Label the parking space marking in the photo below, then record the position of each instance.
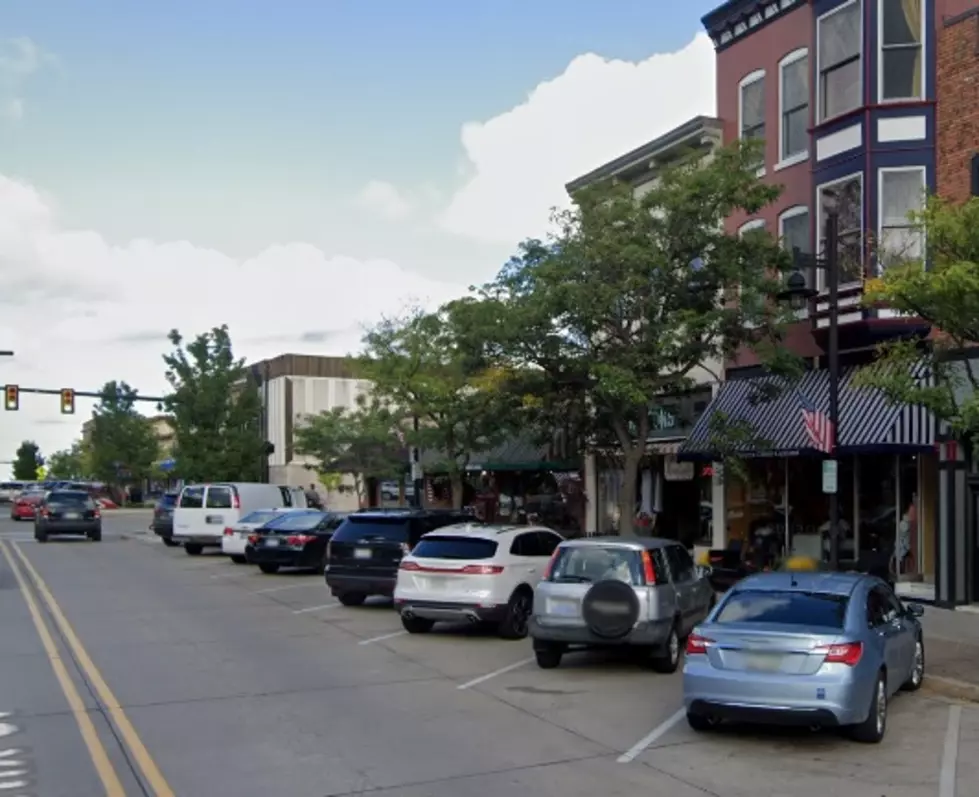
(236, 574)
(636, 749)
(950, 754)
(324, 607)
(381, 638)
(287, 586)
(489, 675)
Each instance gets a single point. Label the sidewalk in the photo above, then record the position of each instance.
(952, 653)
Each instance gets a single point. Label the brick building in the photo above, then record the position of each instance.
(957, 95)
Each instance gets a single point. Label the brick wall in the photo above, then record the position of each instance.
(957, 79)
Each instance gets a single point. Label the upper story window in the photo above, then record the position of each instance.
(793, 231)
(848, 193)
(751, 107)
(901, 66)
(902, 192)
(793, 98)
(838, 35)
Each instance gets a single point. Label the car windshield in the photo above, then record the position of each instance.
(448, 547)
(296, 521)
(589, 563)
(260, 516)
(73, 499)
(391, 529)
(820, 609)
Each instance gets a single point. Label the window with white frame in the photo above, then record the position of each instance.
(794, 105)
(849, 200)
(751, 108)
(902, 193)
(838, 34)
(901, 65)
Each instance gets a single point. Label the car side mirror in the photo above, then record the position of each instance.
(915, 609)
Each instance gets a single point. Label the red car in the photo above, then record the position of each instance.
(25, 507)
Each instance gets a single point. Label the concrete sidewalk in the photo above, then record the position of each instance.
(952, 653)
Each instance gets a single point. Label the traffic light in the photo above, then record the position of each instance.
(11, 397)
(67, 401)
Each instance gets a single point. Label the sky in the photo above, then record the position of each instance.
(296, 170)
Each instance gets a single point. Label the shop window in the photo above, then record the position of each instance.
(908, 545)
(808, 510)
(900, 65)
(838, 34)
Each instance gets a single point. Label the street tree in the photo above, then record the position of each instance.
(423, 364)
(631, 297)
(216, 410)
(122, 445)
(365, 441)
(27, 460)
(69, 463)
(946, 295)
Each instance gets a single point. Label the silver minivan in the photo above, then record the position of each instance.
(611, 591)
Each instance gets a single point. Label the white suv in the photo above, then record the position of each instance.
(474, 573)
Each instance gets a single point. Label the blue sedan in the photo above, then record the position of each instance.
(810, 649)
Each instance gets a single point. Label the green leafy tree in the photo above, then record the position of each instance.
(632, 299)
(27, 460)
(216, 410)
(946, 295)
(425, 364)
(364, 441)
(122, 444)
(69, 463)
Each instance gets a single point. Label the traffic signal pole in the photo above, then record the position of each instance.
(66, 394)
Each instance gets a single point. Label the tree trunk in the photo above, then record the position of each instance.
(457, 491)
(632, 457)
(359, 487)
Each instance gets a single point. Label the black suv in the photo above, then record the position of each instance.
(163, 519)
(365, 551)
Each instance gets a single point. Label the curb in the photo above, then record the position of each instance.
(951, 687)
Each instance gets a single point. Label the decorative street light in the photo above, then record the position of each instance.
(797, 293)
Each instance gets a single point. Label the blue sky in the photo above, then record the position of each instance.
(424, 137)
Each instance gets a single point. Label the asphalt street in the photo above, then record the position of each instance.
(133, 669)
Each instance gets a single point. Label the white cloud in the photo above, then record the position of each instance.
(385, 199)
(20, 59)
(79, 311)
(596, 110)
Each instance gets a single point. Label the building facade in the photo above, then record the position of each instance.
(868, 105)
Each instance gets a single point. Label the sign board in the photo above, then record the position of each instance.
(674, 471)
(830, 472)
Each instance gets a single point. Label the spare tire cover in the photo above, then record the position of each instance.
(610, 609)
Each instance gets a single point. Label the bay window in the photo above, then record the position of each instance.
(902, 192)
(838, 34)
(901, 66)
(849, 194)
(794, 106)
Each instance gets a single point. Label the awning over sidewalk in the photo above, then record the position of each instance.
(771, 408)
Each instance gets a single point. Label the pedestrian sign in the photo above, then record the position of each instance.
(829, 476)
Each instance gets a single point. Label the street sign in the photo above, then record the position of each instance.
(829, 476)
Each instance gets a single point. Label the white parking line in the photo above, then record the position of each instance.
(381, 638)
(288, 586)
(493, 674)
(651, 737)
(316, 608)
(950, 754)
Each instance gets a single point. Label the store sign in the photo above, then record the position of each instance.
(830, 473)
(661, 420)
(674, 471)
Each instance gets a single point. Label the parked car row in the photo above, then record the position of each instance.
(811, 649)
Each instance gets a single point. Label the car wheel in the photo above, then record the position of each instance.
(239, 559)
(170, 542)
(917, 676)
(548, 658)
(193, 549)
(667, 659)
(514, 625)
(41, 535)
(351, 598)
(872, 729)
(700, 722)
(268, 568)
(95, 536)
(417, 625)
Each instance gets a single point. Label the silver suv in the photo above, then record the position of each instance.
(609, 591)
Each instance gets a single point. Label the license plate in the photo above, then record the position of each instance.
(362, 553)
(562, 608)
(72, 516)
(214, 519)
(271, 542)
(764, 662)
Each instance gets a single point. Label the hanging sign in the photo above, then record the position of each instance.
(830, 472)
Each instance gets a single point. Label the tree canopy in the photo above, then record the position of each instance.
(123, 446)
(946, 295)
(70, 463)
(216, 410)
(27, 460)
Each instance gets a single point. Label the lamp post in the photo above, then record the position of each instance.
(798, 294)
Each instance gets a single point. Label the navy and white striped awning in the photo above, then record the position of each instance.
(769, 409)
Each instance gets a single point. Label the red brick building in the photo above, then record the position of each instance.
(957, 95)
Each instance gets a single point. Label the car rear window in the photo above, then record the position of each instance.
(192, 498)
(167, 500)
(787, 608)
(70, 499)
(296, 521)
(219, 497)
(585, 564)
(449, 547)
(393, 529)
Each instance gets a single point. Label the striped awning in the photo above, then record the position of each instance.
(770, 408)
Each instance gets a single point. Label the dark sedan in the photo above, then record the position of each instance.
(68, 512)
(294, 539)
(162, 524)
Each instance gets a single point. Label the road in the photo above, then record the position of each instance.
(171, 675)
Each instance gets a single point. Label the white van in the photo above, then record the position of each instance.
(204, 511)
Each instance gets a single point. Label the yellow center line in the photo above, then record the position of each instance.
(96, 750)
(151, 772)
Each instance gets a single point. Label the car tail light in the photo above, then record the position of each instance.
(300, 539)
(648, 568)
(45, 512)
(697, 645)
(235, 500)
(253, 539)
(848, 653)
(550, 564)
(412, 566)
(482, 570)
(96, 513)
(228, 531)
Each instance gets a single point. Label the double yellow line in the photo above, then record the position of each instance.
(27, 576)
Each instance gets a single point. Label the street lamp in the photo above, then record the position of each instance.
(798, 294)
